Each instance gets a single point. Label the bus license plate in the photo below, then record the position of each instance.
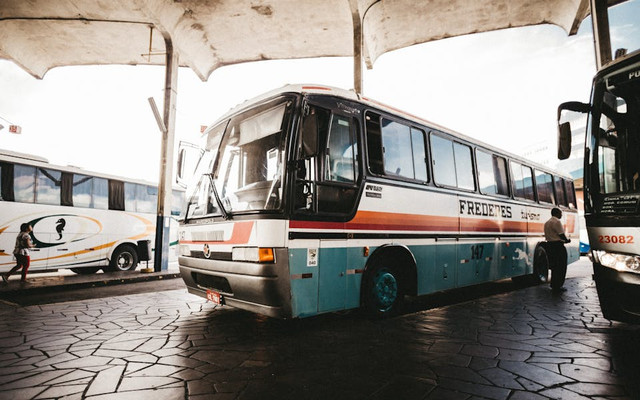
(214, 297)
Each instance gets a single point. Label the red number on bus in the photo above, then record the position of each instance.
(622, 239)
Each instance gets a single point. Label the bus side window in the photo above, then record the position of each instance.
(24, 183)
(559, 186)
(522, 180)
(571, 194)
(544, 186)
(48, 186)
(100, 197)
(492, 173)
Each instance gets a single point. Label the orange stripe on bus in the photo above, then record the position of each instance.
(240, 235)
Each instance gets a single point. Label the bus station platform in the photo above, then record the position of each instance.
(66, 280)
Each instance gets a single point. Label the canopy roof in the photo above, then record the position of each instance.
(42, 34)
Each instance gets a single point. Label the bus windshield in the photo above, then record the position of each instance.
(615, 135)
(243, 158)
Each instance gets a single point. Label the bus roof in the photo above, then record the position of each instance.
(353, 96)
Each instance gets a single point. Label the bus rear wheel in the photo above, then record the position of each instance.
(540, 265)
(383, 291)
(124, 258)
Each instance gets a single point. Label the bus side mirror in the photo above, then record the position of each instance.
(564, 129)
(188, 157)
(564, 140)
(310, 135)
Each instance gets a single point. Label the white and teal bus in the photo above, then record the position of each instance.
(312, 199)
(81, 220)
(612, 183)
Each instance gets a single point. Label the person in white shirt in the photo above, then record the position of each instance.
(555, 237)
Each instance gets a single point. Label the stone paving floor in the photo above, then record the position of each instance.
(525, 344)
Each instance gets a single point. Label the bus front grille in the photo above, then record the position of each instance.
(217, 283)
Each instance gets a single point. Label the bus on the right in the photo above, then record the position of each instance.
(612, 183)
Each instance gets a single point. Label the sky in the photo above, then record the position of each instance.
(500, 87)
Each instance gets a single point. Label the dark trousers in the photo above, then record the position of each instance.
(558, 262)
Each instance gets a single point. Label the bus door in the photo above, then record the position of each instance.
(326, 187)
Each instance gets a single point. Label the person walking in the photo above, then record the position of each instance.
(555, 237)
(21, 252)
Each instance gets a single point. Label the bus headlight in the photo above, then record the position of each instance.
(253, 254)
(619, 262)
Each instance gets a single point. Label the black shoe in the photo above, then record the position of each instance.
(559, 290)
(4, 279)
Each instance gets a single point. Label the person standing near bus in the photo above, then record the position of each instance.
(21, 252)
(555, 237)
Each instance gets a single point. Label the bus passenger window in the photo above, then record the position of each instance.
(452, 163)
(24, 183)
(571, 193)
(444, 167)
(130, 196)
(522, 181)
(559, 186)
(48, 186)
(492, 173)
(100, 198)
(544, 186)
(82, 188)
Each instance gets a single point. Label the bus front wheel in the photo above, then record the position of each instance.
(383, 296)
(124, 258)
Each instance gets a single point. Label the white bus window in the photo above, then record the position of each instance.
(130, 196)
(492, 173)
(544, 186)
(559, 186)
(396, 147)
(48, 186)
(522, 181)
(146, 198)
(24, 183)
(82, 188)
(464, 166)
(419, 155)
(444, 167)
(100, 194)
(341, 158)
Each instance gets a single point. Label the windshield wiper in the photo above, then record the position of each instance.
(223, 211)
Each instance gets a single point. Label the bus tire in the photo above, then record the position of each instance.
(383, 295)
(124, 258)
(540, 265)
(86, 270)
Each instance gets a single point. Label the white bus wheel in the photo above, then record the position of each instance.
(124, 258)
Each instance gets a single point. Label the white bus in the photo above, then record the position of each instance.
(312, 199)
(81, 220)
(612, 183)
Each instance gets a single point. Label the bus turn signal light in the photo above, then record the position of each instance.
(265, 254)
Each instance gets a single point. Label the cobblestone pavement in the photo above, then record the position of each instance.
(525, 344)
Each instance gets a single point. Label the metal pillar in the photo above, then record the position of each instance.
(601, 37)
(357, 46)
(163, 219)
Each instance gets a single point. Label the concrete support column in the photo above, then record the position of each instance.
(601, 36)
(357, 46)
(163, 219)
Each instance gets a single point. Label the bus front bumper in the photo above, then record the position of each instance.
(255, 287)
(619, 293)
